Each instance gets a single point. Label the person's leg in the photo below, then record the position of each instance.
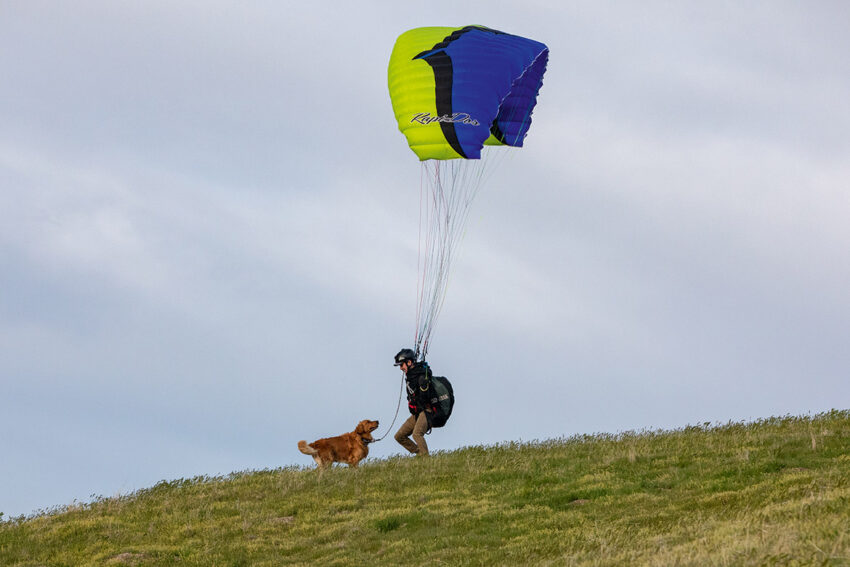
(419, 430)
(403, 434)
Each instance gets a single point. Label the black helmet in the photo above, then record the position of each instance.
(404, 355)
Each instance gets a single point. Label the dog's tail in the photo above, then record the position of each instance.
(306, 449)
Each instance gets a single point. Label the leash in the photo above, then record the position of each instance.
(398, 407)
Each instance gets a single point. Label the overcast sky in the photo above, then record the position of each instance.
(209, 220)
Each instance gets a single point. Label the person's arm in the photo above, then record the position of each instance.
(423, 394)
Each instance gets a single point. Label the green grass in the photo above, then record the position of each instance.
(773, 492)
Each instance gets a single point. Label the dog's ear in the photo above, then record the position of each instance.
(361, 428)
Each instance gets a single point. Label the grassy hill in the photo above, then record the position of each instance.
(776, 491)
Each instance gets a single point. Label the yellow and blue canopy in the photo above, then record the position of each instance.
(455, 89)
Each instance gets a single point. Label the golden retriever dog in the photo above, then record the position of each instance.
(349, 448)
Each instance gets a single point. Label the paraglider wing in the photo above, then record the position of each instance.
(453, 89)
